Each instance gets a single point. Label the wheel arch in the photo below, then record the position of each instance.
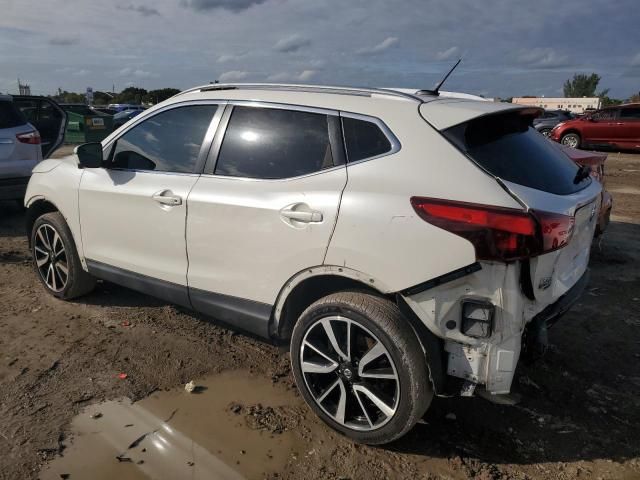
(313, 283)
(36, 207)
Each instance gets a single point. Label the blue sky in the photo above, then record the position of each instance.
(509, 47)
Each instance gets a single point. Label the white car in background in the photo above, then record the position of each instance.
(31, 128)
(406, 245)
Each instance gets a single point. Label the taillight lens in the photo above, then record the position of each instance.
(497, 233)
(32, 138)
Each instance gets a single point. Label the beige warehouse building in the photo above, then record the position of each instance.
(575, 105)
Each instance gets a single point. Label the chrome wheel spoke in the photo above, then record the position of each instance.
(377, 401)
(364, 410)
(326, 323)
(42, 237)
(342, 402)
(42, 260)
(60, 268)
(374, 352)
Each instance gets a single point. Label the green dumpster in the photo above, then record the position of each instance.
(87, 127)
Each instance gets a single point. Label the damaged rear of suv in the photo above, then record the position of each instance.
(405, 245)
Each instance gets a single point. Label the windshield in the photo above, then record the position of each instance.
(508, 147)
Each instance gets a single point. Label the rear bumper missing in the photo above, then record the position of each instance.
(535, 339)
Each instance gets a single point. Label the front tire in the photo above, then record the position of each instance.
(571, 140)
(56, 259)
(360, 367)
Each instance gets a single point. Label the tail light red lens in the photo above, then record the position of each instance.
(497, 233)
(32, 138)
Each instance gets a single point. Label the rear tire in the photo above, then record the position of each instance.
(56, 259)
(360, 367)
(546, 132)
(571, 140)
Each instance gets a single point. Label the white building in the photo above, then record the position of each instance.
(575, 105)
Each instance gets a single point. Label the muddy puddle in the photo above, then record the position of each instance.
(233, 426)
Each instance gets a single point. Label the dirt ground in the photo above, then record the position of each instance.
(579, 416)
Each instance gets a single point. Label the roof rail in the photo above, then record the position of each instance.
(358, 91)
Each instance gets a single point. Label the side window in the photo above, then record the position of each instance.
(167, 142)
(630, 113)
(363, 139)
(271, 143)
(604, 115)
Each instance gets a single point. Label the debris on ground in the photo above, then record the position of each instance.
(190, 387)
(122, 376)
(96, 415)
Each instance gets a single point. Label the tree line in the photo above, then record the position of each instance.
(132, 95)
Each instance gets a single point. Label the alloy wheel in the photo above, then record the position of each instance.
(570, 141)
(349, 373)
(51, 257)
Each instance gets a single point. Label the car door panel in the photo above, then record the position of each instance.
(125, 227)
(133, 213)
(247, 236)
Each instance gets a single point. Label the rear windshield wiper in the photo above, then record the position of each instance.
(583, 172)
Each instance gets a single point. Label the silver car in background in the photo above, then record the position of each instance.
(31, 128)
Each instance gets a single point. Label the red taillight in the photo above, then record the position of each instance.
(497, 233)
(32, 138)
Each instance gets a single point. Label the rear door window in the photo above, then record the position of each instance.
(630, 113)
(363, 139)
(10, 116)
(508, 147)
(271, 143)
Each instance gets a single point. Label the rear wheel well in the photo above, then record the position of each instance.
(35, 210)
(312, 289)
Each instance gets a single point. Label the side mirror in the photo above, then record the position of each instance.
(89, 155)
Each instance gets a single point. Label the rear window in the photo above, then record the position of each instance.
(10, 116)
(363, 139)
(508, 147)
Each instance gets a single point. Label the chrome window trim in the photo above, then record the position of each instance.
(212, 160)
(396, 146)
(206, 141)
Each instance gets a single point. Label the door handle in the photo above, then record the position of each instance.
(300, 212)
(166, 197)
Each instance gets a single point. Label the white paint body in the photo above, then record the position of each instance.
(229, 237)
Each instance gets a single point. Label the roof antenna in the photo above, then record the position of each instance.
(436, 91)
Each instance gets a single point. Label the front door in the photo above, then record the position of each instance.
(265, 211)
(133, 212)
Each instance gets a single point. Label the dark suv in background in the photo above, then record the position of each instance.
(545, 123)
(614, 127)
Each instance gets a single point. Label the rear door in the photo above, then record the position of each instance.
(264, 209)
(629, 124)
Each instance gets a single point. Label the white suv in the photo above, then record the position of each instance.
(405, 244)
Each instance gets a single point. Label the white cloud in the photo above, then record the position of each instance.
(303, 76)
(81, 73)
(230, 57)
(292, 43)
(543, 58)
(635, 61)
(448, 53)
(306, 75)
(135, 72)
(233, 75)
(380, 47)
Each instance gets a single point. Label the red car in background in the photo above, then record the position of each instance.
(613, 127)
(595, 161)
